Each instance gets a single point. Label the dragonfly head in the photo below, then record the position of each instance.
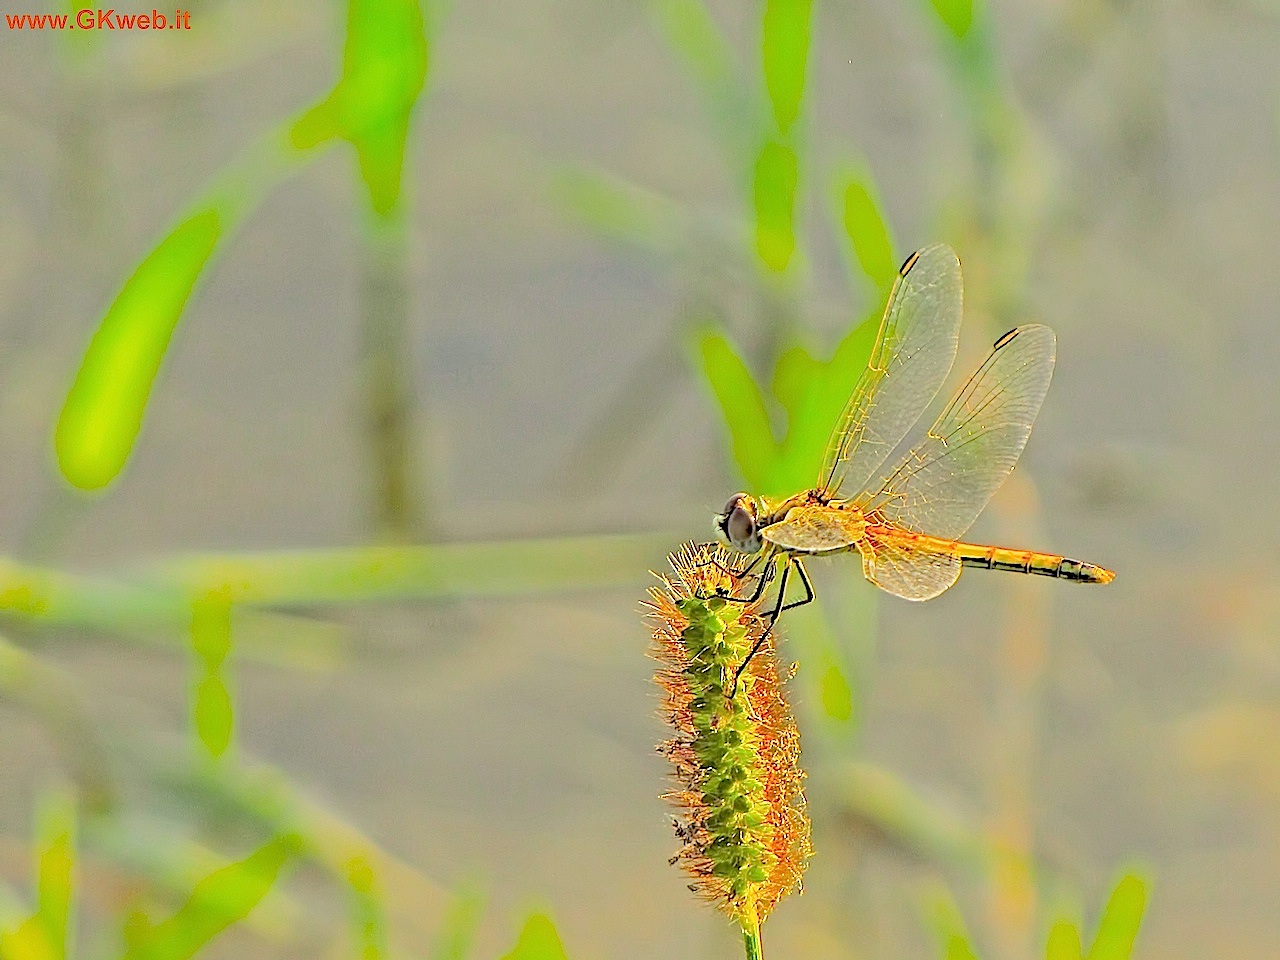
(737, 525)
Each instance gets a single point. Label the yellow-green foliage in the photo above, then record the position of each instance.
(104, 408)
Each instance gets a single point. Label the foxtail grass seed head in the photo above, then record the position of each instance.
(736, 759)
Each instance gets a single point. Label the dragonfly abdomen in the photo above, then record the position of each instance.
(1030, 561)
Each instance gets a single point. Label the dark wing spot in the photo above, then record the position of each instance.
(908, 263)
(1003, 340)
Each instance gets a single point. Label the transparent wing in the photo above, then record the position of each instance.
(815, 530)
(942, 484)
(912, 355)
(905, 570)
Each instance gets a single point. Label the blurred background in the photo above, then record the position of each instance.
(409, 466)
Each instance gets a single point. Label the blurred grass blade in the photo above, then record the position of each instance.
(1064, 942)
(1118, 928)
(221, 899)
(213, 710)
(213, 714)
(538, 941)
(105, 406)
(958, 949)
(623, 210)
(56, 840)
(211, 627)
(777, 175)
(743, 407)
(956, 15)
(793, 377)
(690, 31)
(458, 929)
(869, 235)
(43, 935)
(368, 913)
(384, 69)
(785, 53)
(814, 406)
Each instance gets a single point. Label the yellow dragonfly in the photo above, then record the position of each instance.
(908, 511)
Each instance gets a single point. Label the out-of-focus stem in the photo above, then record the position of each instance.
(388, 391)
(49, 694)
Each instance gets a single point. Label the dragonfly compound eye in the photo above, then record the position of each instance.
(740, 525)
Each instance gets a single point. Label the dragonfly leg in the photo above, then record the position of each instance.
(778, 609)
(773, 617)
(804, 581)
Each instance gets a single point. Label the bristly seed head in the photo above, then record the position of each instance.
(743, 825)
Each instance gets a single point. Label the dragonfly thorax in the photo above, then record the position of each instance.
(738, 525)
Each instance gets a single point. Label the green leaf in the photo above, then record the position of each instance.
(959, 949)
(869, 235)
(1118, 928)
(105, 406)
(538, 941)
(956, 15)
(457, 931)
(793, 377)
(224, 897)
(816, 411)
(211, 627)
(691, 32)
(777, 175)
(1064, 942)
(368, 914)
(621, 209)
(785, 52)
(56, 839)
(742, 404)
(384, 69)
(837, 695)
(214, 715)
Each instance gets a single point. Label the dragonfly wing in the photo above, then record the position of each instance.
(905, 570)
(815, 529)
(912, 355)
(942, 485)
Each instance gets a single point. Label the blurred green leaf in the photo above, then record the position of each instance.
(43, 935)
(384, 69)
(28, 941)
(941, 913)
(214, 714)
(457, 931)
(793, 377)
(691, 32)
(785, 52)
(776, 177)
(1118, 928)
(837, 695)
(815, 410)
(869, 236)
(221, 899)
(880, 796)
(958, 949)
(211, 627)
(742, 405)
(957, 15)
(56, 840)
(621, 209)
(538, 941)
(368, 913)
(105, 406)
(1064, 942)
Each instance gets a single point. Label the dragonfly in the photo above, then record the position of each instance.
(910, 507)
